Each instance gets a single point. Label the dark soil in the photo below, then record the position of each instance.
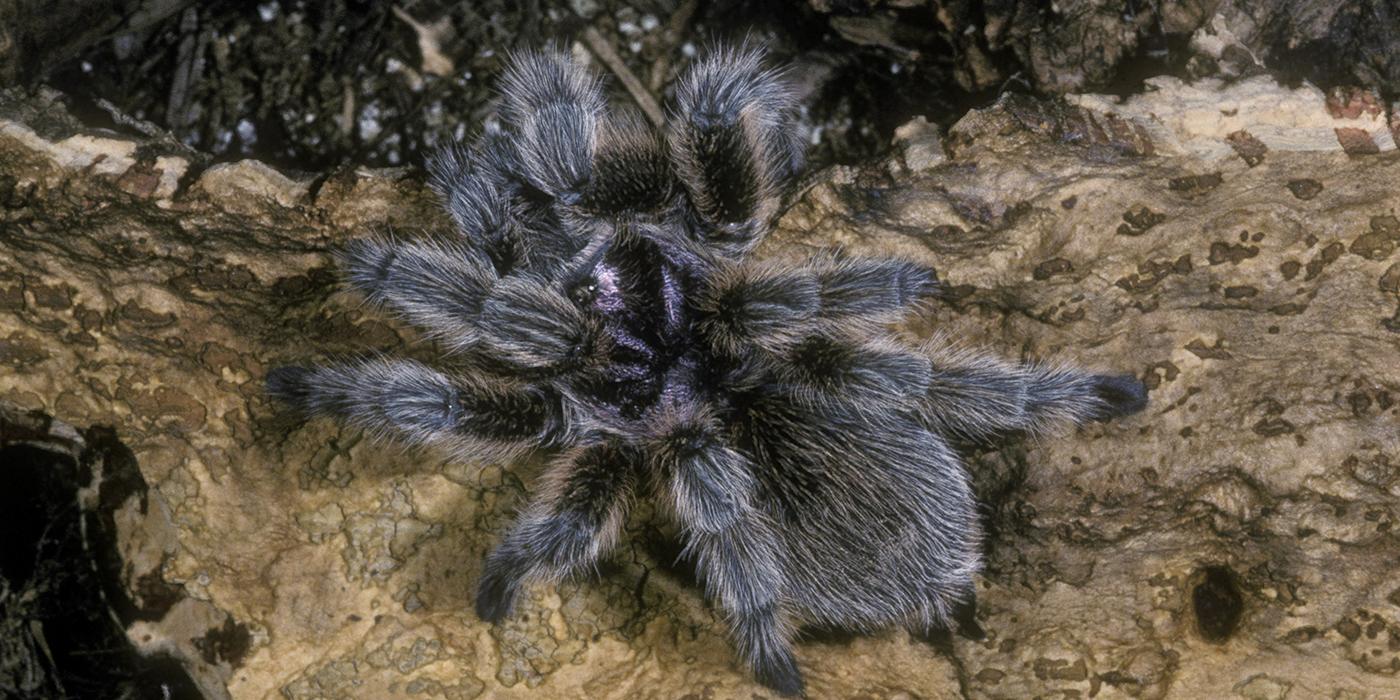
(333, 83)
(318, 85)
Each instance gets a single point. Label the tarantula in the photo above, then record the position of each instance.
(600, 295)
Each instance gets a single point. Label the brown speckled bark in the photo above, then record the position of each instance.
(1234, 540)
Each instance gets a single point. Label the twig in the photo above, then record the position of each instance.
(150, 130)
(187, 65)
(120, 117)
(605, 53)
(675, 30)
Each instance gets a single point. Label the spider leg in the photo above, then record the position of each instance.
(533, 196)
(870, 291)
(706, 480)
(555, 107)
(733, 144)
(531, 326)
(759, 305)
(481, 197)
(631, 171)
(436, 285)
(575, 517)
(424, 406)
(710, 486)
(975, 396)
(520, 320)
(824, 369)
(512, 193)
(772, 306)
(740, 564)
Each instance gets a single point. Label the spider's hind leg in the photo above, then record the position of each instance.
(733, 144)
(741, 569)
(710, 486)
(574, 519)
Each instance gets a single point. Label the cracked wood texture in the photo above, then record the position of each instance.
(1234, 540)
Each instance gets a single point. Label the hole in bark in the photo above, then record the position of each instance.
(1217, 602)
(60, 594)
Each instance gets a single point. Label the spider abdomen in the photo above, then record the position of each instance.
(876, 513)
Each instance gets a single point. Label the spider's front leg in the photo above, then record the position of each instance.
(526, 195)
(424, 406)
(575, 517)
(475, 185)
(710, 487)
(734, 145)
(976, 396)
(439, 286)
(555, 107)
(532, 326)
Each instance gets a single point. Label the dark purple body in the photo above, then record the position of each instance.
(639, 291)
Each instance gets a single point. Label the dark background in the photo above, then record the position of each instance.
(316, 85)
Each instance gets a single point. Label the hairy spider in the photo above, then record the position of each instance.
(600, 293)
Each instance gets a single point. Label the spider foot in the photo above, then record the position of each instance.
(288, 384)
(1122, 395)
(495, 596)
(779, 672)
(965, 615)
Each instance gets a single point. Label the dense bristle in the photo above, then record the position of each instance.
(598, 306)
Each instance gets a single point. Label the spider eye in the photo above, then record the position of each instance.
(584, 292)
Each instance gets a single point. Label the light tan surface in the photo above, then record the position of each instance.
(1264, 322)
